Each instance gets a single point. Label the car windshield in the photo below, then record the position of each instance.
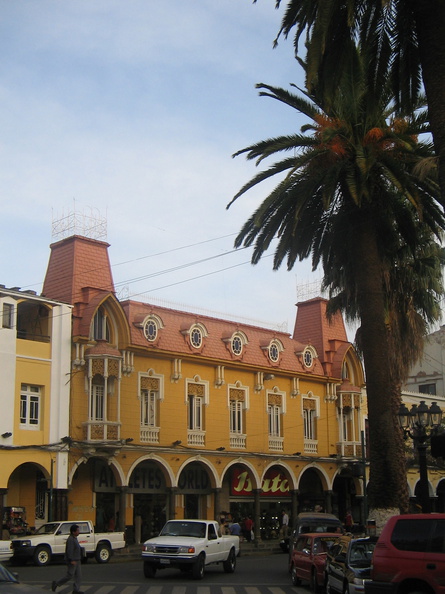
(48, 528)
(6, 576)
(360, 554)
(192, 529)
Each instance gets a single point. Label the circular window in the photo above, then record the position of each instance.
(196, 338)
(150, 330)
(274, 352)
(308, 358)
(237, 345)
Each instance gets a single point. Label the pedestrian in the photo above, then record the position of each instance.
(284, 524)
(235, 528)
(73, 560)
(248, 528)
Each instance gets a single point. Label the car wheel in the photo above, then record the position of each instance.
(149, 570)
(230, 563)
(42, 556)
(198, 568)
(295, 579)
(103, 553)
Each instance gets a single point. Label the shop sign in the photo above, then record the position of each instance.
(274, 484)
(147, 478)
(104, 481)
(194, 479)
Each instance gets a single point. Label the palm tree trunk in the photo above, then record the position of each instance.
(430, 29)
(387, 481)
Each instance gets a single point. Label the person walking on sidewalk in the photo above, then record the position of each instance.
(73, 560)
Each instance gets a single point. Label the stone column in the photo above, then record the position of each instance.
(216, 503)
(120, 525)
(294, 507)
(256, 518)
(171, 507)
(328, 502)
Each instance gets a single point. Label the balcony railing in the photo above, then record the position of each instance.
(101, 430)
(349, 449)
(196, 438)
(310, 446)
(238, 441)
(149, 434)
(276, 443)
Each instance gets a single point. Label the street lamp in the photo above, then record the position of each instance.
(414, 424)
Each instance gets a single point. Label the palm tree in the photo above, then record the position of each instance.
(404, 36)
(413, 290)
(349, 193)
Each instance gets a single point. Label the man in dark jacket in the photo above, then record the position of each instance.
(73, 560)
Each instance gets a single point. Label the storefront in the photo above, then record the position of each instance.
(274, 497)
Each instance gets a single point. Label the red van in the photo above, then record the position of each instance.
(409, 556)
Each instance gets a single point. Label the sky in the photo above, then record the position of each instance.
(128, 112)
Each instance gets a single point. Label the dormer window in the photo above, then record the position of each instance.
(238, 341)
(196, 337)
(309, 356)
(274, 351)
(152, 324)
(237, 345)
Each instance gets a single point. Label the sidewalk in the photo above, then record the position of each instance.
(262, 547)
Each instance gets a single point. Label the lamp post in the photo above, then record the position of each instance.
(414, 424)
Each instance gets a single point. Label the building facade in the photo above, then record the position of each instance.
(35, 359)
(177, 414)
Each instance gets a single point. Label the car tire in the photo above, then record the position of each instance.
(229, 564)
(294, 577)
(149, 570)
(42, 556)
(103, 553)
(198, 568)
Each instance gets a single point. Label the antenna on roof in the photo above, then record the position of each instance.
(90, 225)
(309, 289)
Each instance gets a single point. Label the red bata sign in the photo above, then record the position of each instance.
(274, 484)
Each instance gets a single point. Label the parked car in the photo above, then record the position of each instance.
(309, 558)
(410, 556)
(348, 564)
(311, 522)
(10, 584)
(49, 541)
(6, 550)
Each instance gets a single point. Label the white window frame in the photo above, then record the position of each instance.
(236, 416)
(309, 423)
(274, 412)
(30, 406)
(149, 412)
(98, 403)
(195, 405)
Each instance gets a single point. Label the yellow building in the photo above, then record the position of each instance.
(35, 353)
(177, 414)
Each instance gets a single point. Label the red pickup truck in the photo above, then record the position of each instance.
(409, 556)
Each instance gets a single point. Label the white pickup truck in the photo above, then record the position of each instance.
(49, 540)
(190, 545)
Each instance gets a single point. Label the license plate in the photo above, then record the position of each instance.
(164, 561)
